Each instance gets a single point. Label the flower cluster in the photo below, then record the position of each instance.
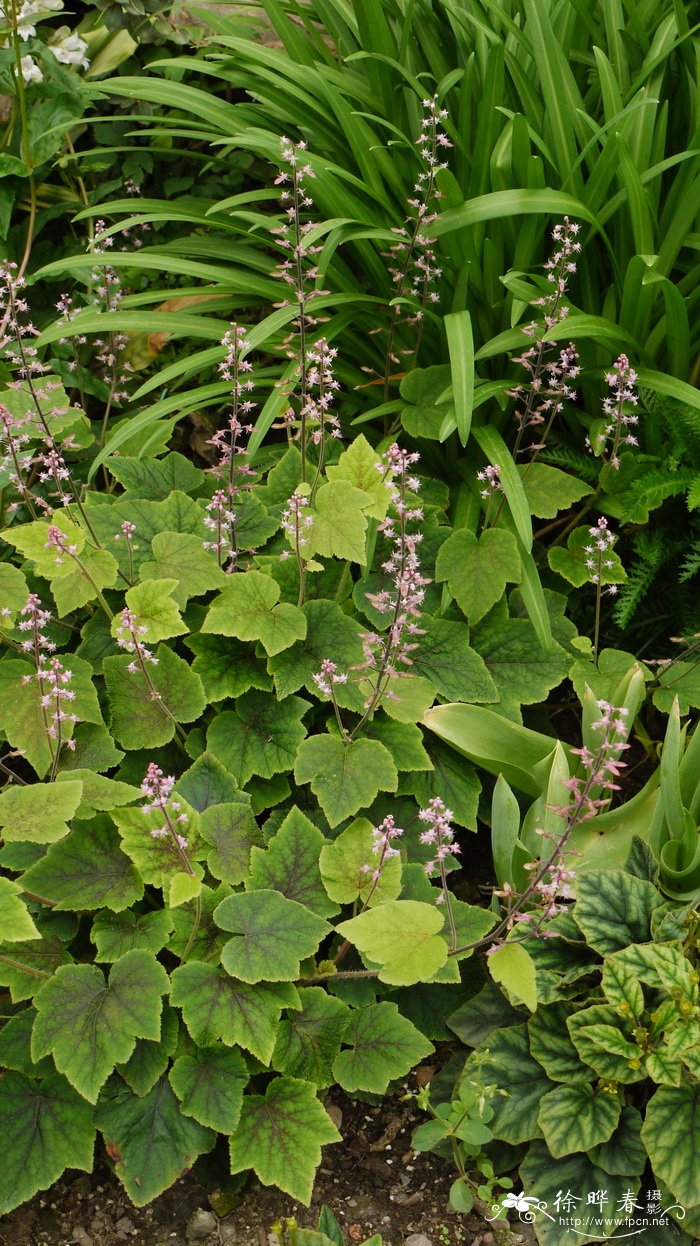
(328, 676)
(53, 678)
(440, 834)
(550, 372)
(296, 522)
(383, 849)
(232, 465)
(386, 655)
(130, 636)
(321, 386)
(601, 768)
(490, 480)
(65, 44)
(618, 418)
(220, 519)
(414, 270)
(157, 788)
(597, 551)
(107, 295)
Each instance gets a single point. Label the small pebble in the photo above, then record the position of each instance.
(200, 1224)
(418, 1239)
(80, 1237)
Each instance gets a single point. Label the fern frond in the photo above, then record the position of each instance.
(654, 487)
(691, 563)
(580, 464)
(650, 550)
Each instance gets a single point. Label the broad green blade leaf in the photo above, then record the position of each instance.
(523, 672)
(215, 1007)
(260, 737)
(512, 967)
(624, 1152)
(477, 569)
(115, 934)
(402, 937)
(500, 746)
(210, 1085)
(149, 1060)
(98, 791)
(549, 490)
(156, 856)
(136, 719)
(155, 610)
(248, 609)
(613, 909)
(46, 1127)
(16, 924)
(150, 1139)
(87, 870)
(446, 659)
(182, 888)
(454, 782)
(510, 203)
(226, 667)
(511, 1067)
(605, 1041)
(476, 1019)
(231, 830)
(403, 740)
(460, 343)
(290, 865)
(571, 562)
(15, 1046)
(576, 1118)
(344, 777)
(496, 451)
(89, 1026)
(207, 783)
(272, 936)
(383, 1045)
(280, 1136)
(156, 478)
(309, 1041)
(344, 867)
(39, 812)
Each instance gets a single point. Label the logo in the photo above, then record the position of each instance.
(593, 1215)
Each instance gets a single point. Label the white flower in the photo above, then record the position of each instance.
(71, 50)
(30, 70)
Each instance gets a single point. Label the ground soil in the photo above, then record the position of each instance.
(373, 1183)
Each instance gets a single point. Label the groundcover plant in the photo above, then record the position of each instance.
(279, 642)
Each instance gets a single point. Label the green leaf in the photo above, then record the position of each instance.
(155, 611)
(15, 923)
(343, 867)
(477, 568)
(455, 782)
(576, 1118)
(15, 1046)
(272, 936)
(523, 672)
(344, 778)
(598, 1036)
(513, 968)
(248, 609)
(136, 719)
(150, 1140)
(551, 1045)
(403, 740)
(624, 1152)
(39, 812)
(21, 714)
(87, 870)
(72, 587)
(156, 478)
(571, 562)
(280, 1136)
(149, 1060)
(478, 1017)
(446, 659)
(549, 490)
(115, 934)
(182, 557)
(226, 667)
(683, 679)
(217, 1008)
(47, 1127)
(45, 954)
(182, 888)
(405, 698)
(290, 865)
(340, 521)
(360, 466)
(578, 1174)
(207, 783)
(260, 737)
(89, 1026)
(613, 909)
(330, 633)
(460, 343)
(99, 792)
(231, 831)
(492, 741)
(155, 856)
(509, 1065)
(13, 587)
(382, 1045)
(510, 203)
(402, 937)
(308, 1042)
(210, 1084)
